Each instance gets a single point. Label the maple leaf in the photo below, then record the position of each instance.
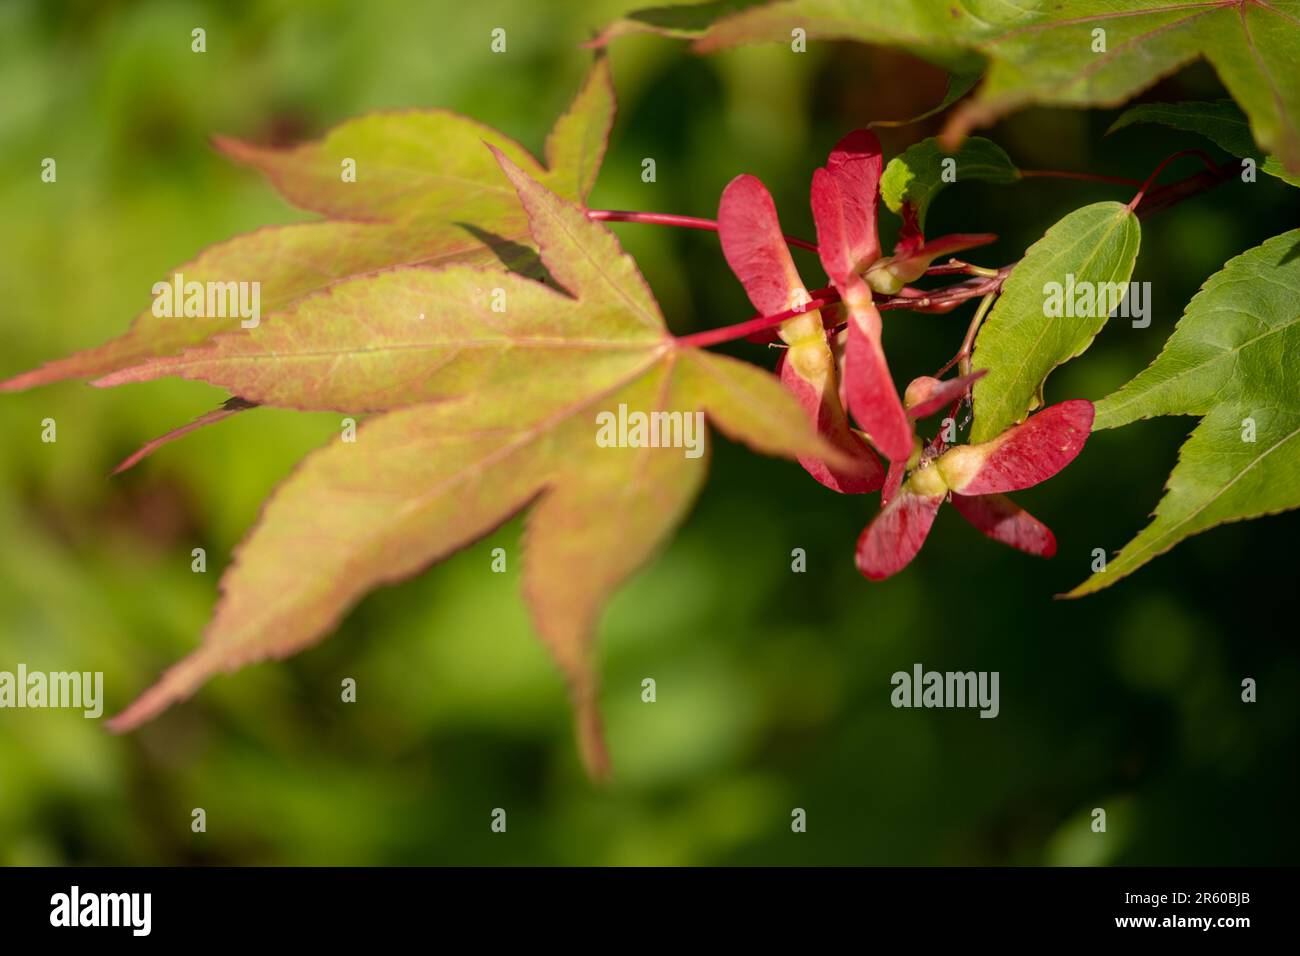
(425, 193)
(1049, 55)
(1022, 340)
(914, 177)
(1232, 360)
(1220, 121)
(1040, 52)
(485, 414)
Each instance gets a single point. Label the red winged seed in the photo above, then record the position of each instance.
(872, 397)
(755, 248)
(757, 252)
(887, 276)
(834, 246)
(845, 197)
(893, 481)
(1023, 455)
(910, 238)
(857, 163)
(926, 395)
(827, 416)
(892, 540)
(1003, 520)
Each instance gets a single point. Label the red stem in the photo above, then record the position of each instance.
(729, 333)
(1209, 165)
(1162, 197)
(938, 300)
(1089, 177)
(668, 219)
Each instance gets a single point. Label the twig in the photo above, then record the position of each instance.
(668, 219)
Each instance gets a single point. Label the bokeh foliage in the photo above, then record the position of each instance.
(773, 687)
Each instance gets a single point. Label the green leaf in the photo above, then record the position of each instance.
(681, 21)
(1046, 51)
(1024, 338)
(692, 20)
(917, 174)
(406, 336)
(1220, 121)
(960, 83)
(409, 164)
(426, 193)
(575, 147)
(1234, 358)
(935, 32)
(1048, 58)
(516, 427)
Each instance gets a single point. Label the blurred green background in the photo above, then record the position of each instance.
(773, 687)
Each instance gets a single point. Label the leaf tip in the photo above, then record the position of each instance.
(177, 683)
(236, 150)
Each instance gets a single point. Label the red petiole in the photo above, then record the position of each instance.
(1086, 177)
(1204, 157)
(729, 333)
(668, 219)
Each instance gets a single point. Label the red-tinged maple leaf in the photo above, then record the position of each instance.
(481, 414)
(976, 477)
(756, 250)
(425, 193)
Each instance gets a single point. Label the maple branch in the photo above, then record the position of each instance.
(669, 219)
(1204, 157)
(1088, 177)
(729, 333)
(962, 358)
(1169, 195)
(984, 282)
(958, 267)
(949, 297)
(938, 300)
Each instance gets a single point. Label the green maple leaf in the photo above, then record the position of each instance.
(1047, 57)
(1046, 51)
(425, 192)
(961, 81)
(485, 412)
(1232, 359)
(934, 31)
(1220, 121)
(917, 174)
(1020, 343)
(683, 21)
